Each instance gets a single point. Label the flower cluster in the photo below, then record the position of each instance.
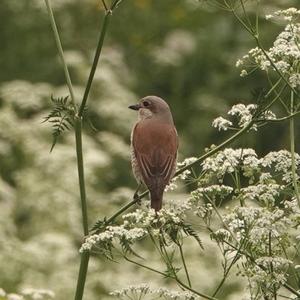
(251, 229)
(229, 160)
(281, 162)
(244, 115)
(184, 175)
(291, 14)
(221, 123)
(139, 224)
(285, 53)
(258, 228)
(212, 191)
(143, 290)
(28, 294)
(265, 193)
(113, 232)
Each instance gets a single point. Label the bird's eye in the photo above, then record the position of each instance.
(146, 103)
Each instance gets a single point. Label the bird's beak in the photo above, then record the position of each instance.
(135, 106)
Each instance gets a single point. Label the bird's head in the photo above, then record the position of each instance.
(152, 106)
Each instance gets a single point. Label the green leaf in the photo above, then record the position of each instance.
(190, 231)
(61, 117)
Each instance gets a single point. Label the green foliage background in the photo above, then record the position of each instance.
(183, 51)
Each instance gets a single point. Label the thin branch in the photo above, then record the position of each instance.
(100, 43)
(84, 262)
(291, 116)
(104, 5)
(292, 140)
(144, 266)
(184, 265)
(60, 50)
(194, 291)
(78, 138)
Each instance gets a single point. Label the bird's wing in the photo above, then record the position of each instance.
(155, 147)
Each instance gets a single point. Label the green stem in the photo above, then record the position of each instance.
(292, 139)
(125, 207)
(60, 50)
(184, 265)
(163, 274)
(104, 26)
(217, 148)
(144, 266)
(194, 291)
(220, 218)
(78, 138)
(85, 256)
(289, 117)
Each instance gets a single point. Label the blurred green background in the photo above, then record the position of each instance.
(184, 51)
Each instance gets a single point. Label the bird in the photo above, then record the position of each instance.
(154, 146)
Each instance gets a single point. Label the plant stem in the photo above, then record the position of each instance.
(217, 148)
(144, 266)
(104, 26)
(85, 256)
(293, 155)
(194, 291)
(60, 50)
(78, 138)
(184, 265)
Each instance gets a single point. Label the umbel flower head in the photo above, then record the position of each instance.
(284, 56)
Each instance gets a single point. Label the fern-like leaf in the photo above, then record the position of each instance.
(126, 247)
(100, 224)
(61, 117)
(190, 231)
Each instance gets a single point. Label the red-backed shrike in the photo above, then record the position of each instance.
(154, 144)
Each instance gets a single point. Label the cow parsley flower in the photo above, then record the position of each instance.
(284, 55)
(139, 291)
(228, 160)
(212, 191)
(38, 294)
(265, 193)
(221, 124)
(281, 162)
(244, 113)
(182, 176)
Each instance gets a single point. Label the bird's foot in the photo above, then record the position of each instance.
(137, 199)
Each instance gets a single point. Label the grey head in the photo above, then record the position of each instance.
(153, 107)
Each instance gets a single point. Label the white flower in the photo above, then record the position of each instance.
(14, 297)
(284, 55)
(137, 291)
(243, 112)
(227, 160)
(244, 73)
(212, 191)
(2, 292)
(38, 294)
(221, 123)
(295, 80)
(184, 175)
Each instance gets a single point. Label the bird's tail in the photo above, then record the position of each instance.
(156, 196)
